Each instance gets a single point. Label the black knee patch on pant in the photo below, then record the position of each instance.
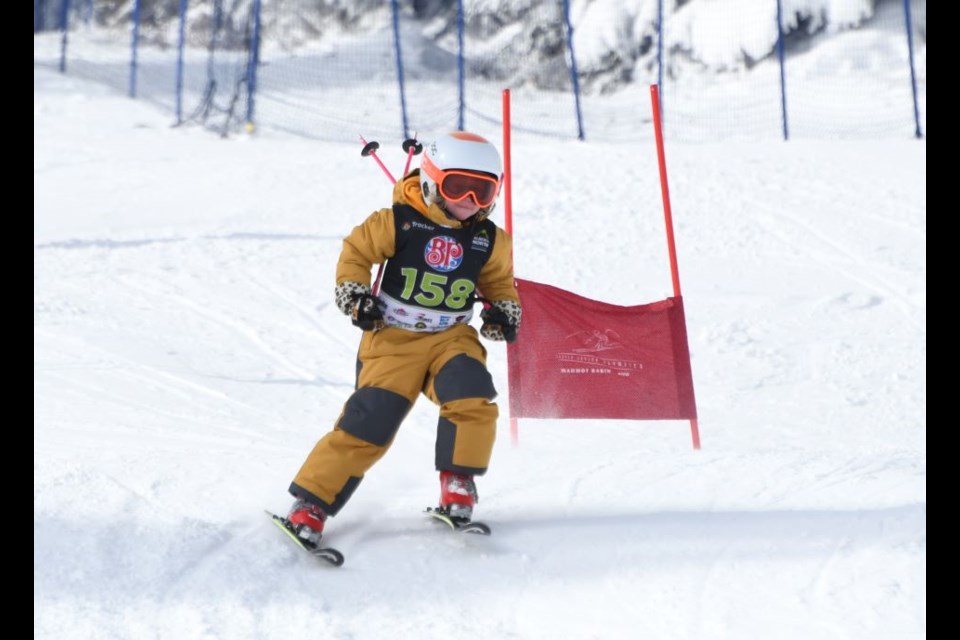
(330, 509)
(463, 377)
(443, 459)
(374, 415)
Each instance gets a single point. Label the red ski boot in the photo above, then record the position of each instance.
(307, 520)
(458, 494)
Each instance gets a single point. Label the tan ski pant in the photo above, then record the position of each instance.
(394, 367)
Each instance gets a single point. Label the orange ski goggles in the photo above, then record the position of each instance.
(457, 184)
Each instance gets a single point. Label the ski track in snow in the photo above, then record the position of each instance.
(867, 272)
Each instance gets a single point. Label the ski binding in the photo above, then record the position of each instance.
(462, 525)
(329, 554)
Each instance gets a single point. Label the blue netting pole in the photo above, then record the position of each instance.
(181, 43)
(134, 42)
(573, 68)
(253, 61)
(460, 62)
(211, 84)
(64, 28)
(660, 91)
(783, 72)
(918, 132)
(396, 52)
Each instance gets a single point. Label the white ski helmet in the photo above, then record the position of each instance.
(464, 151)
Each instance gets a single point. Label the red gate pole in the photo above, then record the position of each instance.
(508, 216)
(668, 215)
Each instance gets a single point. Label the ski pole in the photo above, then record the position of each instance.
(370, 149)
(412, 147)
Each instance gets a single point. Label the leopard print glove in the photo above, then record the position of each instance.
(347, 293)
(501, 320)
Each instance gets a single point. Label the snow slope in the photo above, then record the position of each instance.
(188, 354)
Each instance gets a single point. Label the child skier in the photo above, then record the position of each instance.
(442, 254)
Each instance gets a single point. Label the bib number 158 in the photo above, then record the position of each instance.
(429, 289)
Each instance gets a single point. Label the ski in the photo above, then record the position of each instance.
(329, 554)
(461, 525)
